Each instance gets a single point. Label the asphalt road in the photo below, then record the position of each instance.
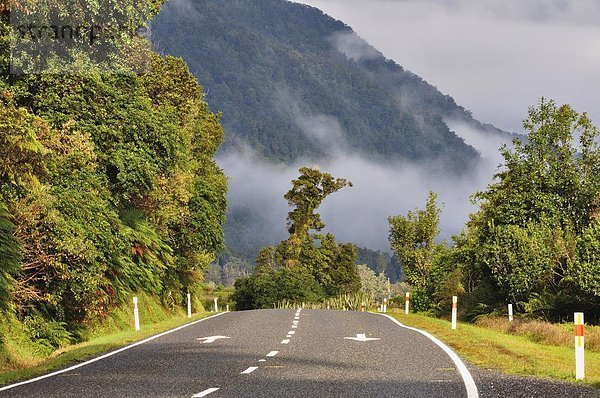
(285, 353)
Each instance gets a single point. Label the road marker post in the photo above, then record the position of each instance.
(406, 303)
(189, 305)
(227, 308)
(136, 314)
(510, 313)
(216, 299)
(579, 346)
(362, 307)
(454, 311)
(385, 301)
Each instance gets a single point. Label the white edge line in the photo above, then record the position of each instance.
(108, 354)
(249, 370)
(272, 353)
(462, 368)
(205, 392)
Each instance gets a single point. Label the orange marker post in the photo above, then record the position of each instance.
(579, 346)
(406, 303)
(454, 311)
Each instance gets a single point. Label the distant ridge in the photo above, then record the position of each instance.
(295, 83)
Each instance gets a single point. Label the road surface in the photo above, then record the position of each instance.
(287, 353)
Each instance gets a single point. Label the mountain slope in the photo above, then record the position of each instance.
(294, 83)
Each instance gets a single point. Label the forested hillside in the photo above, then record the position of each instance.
(108, 186)
(295, 84)
(309, 74)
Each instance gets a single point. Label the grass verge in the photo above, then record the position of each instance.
(105, 338)
(518, 355)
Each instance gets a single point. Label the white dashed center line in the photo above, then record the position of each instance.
(272, 353)
(205, 393)
(286, 341)
(291, 332)
(249, 370)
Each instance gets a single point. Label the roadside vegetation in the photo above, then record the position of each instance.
(535, 354)
(108, 186)
(24, 357)
(535, 240)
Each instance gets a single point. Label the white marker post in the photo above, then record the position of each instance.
(510, 313)
(189, 305)
(454, 311)
(385, 301)
(406, 303)
(227, 308)
(216, 304)
(362, 307)
(136, 314)
(579, 347)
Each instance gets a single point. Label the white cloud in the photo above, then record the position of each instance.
(495, 57)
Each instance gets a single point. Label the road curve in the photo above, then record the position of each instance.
(271, 353)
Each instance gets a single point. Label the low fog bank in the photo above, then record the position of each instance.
(359, 214)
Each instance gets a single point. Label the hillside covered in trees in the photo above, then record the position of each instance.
(108, 183)
(294, 85)
(291, 62)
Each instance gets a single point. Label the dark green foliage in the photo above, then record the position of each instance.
(381, 262)
(280, 58)
(534, 242)
(307, 267)
(265, 290)
(111, 184)
(10, 255)
(413, 240)
(306, 195)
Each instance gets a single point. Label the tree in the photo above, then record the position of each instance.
(378, 286)
(306, 195)
(413, 240)
(532, 241)
(307, 266)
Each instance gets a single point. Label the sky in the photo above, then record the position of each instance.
(495, 57)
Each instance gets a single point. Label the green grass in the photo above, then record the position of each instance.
(22, 359)
(518, 355)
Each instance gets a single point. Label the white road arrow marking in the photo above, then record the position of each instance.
(361, 337)
(211, 339)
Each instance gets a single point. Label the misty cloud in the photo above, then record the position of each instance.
(354, 47)
(358, 214)
(487, 145)
(495, 57)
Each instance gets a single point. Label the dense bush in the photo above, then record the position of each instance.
(108, 184)
(535, 241)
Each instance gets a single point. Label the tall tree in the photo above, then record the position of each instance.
(307, 193)
(413, 240)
